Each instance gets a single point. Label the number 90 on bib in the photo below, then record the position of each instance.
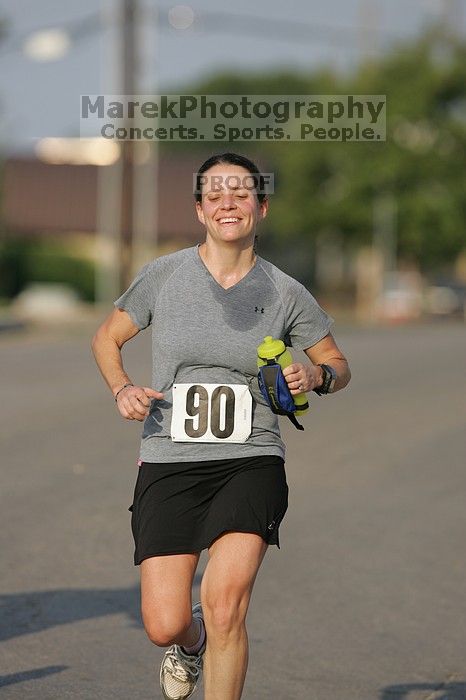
(211, 413)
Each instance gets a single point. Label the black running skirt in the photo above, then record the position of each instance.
(182, 507)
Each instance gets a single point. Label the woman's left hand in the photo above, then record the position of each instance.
(301, 377)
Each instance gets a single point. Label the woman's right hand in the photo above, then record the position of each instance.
(133, 402)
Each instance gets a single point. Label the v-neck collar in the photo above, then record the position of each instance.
(210, 275)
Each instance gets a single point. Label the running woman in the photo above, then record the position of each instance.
(211, 463)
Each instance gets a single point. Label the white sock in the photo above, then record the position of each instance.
(195, 649)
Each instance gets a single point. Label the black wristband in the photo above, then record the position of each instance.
(123, 387)
(329, 378)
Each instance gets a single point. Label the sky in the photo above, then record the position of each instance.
(42, 99)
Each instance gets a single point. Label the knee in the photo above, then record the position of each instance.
(224, 616)
(164, 630)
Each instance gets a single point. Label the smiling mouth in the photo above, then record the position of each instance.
(229, 220)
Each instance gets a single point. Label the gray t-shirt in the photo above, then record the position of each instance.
(205, 334)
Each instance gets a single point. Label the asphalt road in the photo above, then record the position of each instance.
(366, 600)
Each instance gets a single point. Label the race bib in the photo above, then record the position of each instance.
(211, 413)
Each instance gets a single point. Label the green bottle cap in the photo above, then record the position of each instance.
(270, 348)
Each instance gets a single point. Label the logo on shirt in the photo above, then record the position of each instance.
(258, 309)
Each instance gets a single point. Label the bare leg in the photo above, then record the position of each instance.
(166, 583)
(234, 560)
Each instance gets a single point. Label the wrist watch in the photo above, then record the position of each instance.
(329, 378)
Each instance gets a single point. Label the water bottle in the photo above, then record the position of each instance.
(274, 349)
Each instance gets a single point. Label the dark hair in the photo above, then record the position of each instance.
(230, 159)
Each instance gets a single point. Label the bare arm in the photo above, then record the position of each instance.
(309, 377)
(115, 331)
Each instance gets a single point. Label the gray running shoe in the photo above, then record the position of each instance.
(179, 672)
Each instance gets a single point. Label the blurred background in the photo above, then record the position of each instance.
(365, 599)
(375, 230)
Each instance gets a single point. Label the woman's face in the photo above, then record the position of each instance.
(230, 209)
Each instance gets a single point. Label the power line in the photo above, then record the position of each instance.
(269, 27)
(223, 23)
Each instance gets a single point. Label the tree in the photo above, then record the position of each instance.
(327, 188)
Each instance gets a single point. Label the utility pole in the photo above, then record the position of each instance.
(129, 72)
(146, 153)
(108, 238)
(384, 236)
(452, 16)
(127, 207)
(369, 27)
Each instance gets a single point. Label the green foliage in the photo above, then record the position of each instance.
(23, 261)
(332, 187)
